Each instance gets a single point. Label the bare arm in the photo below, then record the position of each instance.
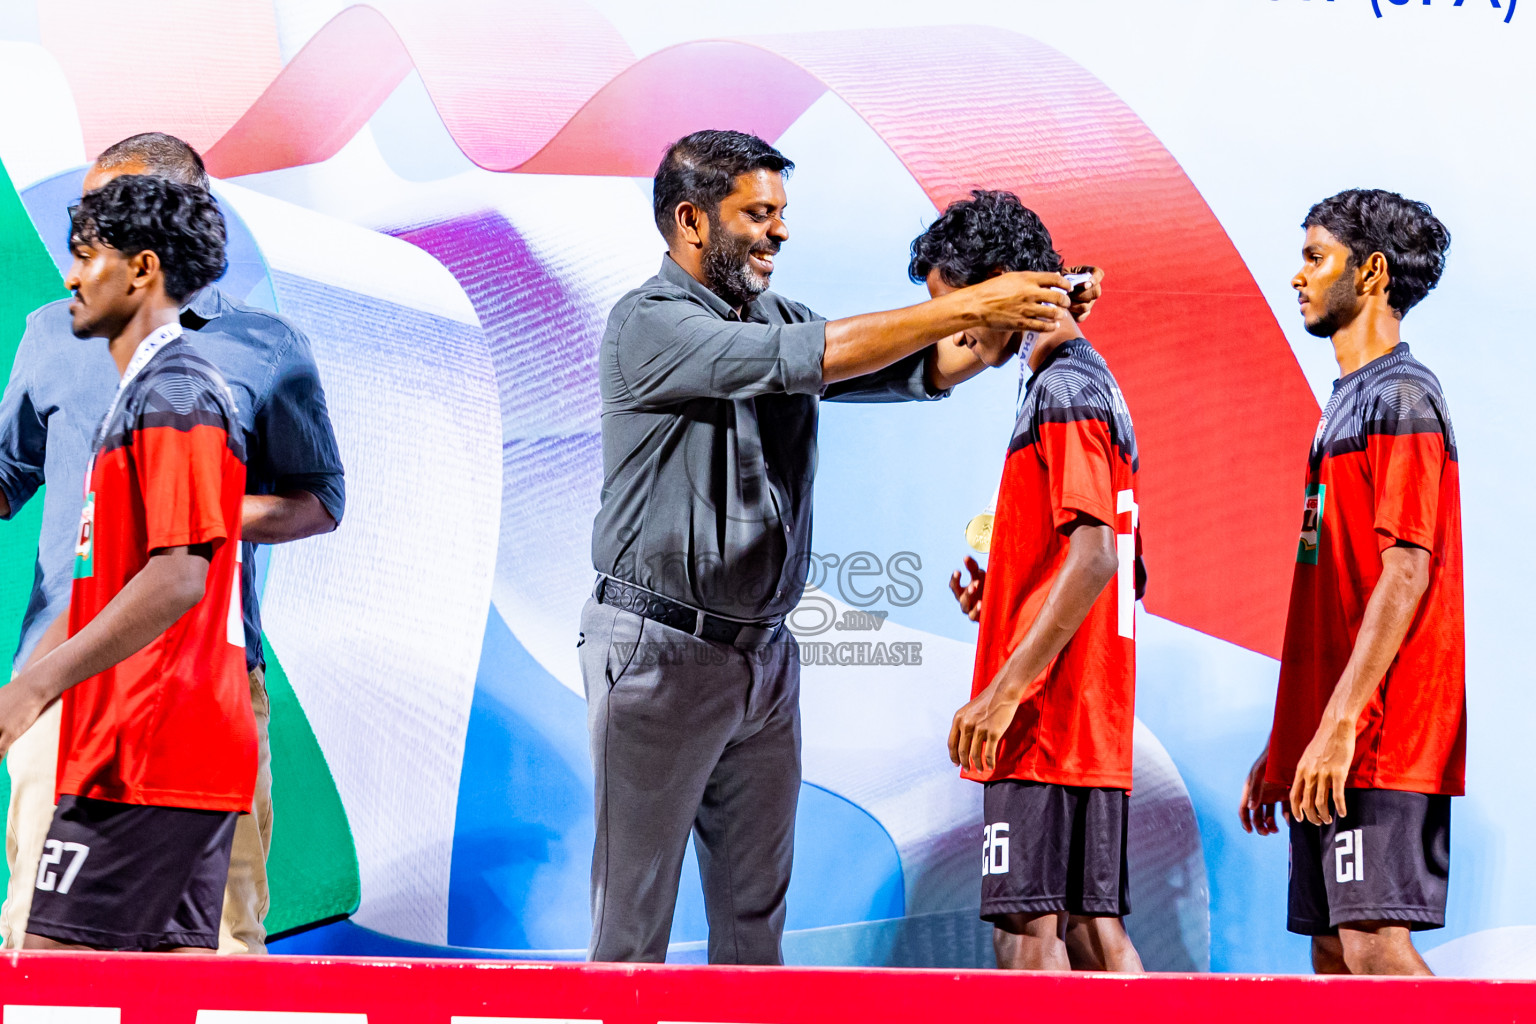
(279, 518)
(1325, 764)
(56, 633)
(5, 508)
(1090, 565)
(162, 592)
(863, 344)
(951, 361)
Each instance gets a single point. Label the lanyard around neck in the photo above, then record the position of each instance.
(1024, 374)
(154, 342)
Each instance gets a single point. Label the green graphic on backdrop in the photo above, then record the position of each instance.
(30, 279)
(312, 866)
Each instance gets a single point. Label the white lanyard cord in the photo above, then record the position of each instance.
(1024, 374)
(156, 340)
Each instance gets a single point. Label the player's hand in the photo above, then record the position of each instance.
(21, 702)
(1321, 772)
(977, 730)
(1256, 810)
(1020, 301)
(969, 596)
(1085, 296)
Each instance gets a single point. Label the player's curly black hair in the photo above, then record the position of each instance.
(181, 224)
(702, 168)
(1405, 231)
(978, 237)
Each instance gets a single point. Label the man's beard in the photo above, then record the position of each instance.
(1338, 307)
(726, 269)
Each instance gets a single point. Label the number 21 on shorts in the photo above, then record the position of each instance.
(1349, 856)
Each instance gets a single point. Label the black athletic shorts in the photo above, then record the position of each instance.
(130, 877)
(1049, 848)
(1388, 860)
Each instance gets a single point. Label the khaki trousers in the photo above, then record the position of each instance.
(33, 764)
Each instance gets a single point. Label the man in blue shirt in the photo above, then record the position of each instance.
(59, 391)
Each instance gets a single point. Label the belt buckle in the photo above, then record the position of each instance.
(754, 636)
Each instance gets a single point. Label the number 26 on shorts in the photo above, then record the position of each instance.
(994, 849)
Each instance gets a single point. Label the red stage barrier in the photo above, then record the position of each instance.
(290, 990)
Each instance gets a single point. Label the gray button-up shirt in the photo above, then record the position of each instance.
(709, 443)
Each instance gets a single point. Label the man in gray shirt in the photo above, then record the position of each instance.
(710, 385)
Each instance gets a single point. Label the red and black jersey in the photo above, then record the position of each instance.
(171, 725)
(1073, 454)
(1382, 472)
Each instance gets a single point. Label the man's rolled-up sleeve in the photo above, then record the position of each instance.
(296, 444)
(23, 433)
(905, 380)
(672, 350)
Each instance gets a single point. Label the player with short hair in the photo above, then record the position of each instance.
(158, 739)
(1048, 729)
(156, 153)
(58, 392)
(1369, 733)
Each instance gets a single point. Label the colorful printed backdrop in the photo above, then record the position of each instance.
(449, 196)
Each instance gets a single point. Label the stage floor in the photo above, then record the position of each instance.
(80, 988)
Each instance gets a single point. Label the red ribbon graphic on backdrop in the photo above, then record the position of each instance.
(1223, 412)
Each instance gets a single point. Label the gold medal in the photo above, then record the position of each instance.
(978, 532)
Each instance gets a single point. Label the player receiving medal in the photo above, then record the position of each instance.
(1048, 729)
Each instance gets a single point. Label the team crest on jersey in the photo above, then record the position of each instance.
(85, 540)
(1317, 438)
(1311, 524)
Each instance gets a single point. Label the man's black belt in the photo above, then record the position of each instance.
(650, 605)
